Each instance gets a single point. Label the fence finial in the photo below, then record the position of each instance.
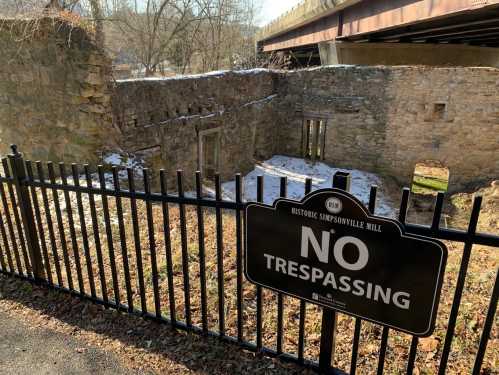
(13, 147)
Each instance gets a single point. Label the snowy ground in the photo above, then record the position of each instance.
(122, 161)
(297, 171)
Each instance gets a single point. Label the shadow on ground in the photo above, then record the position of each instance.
(141, 344)
(25, 350)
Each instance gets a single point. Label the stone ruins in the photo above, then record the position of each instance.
(59, 101)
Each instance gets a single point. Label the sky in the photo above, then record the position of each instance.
(272, 9)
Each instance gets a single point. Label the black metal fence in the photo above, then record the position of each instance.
(124, 274)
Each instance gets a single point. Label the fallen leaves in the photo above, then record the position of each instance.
(429, 344)
(137, 340)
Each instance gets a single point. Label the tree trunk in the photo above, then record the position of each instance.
(98, 22)
(149, 71)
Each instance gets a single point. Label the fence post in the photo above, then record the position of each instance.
(17, 166)
(341, 180)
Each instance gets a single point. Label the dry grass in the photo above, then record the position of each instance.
(479, 283)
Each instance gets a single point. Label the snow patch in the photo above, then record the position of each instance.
(297, 171)
(216, 73)
(260, 101)
(114, 159)
(122, 160)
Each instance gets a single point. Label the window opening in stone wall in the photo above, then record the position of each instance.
(314, 139)
(430, 177)
(439, 111)
(209, 152)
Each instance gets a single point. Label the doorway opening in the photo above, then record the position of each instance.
(209, 152)
(314, 139)
(430, 177)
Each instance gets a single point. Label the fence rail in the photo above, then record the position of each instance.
(93, 247)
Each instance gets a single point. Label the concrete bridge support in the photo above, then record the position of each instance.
(333, 53)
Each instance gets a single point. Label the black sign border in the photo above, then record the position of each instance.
(439, 279)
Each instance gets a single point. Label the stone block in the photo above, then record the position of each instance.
(97, 59)
(87, 91)
(93, 108)
(104, 99)
(94, 79)
(25, 76)
(79, 100)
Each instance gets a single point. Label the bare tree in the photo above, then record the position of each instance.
(97, 15)
(89, 9)
(33, 8)
(152, 30)
(191, 35)
(227, 33)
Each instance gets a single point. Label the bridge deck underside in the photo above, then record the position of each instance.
(477, 28)
(472, 27)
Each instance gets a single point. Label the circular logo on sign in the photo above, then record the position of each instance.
(334, 205)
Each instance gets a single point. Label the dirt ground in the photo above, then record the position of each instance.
(149, 347)
(47, 332)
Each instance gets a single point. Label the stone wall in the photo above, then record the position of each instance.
(55, 90)
(58, 102)
(386, 119)
(161, 119)
(353, 101)
(464, 137)
(379, 119)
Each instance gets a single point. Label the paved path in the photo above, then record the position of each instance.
(31, 351)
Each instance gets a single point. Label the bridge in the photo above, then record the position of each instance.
(391, 32)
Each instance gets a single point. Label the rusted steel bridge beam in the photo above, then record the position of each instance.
(344, 19)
